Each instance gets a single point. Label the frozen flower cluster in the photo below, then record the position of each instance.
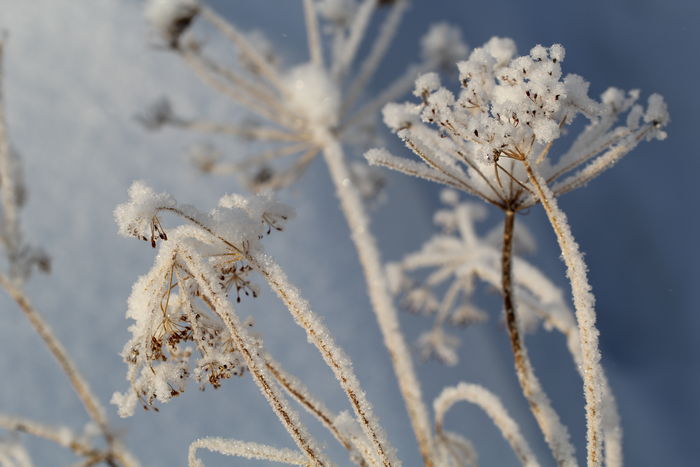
(455, 261)
(509, 112)
(173, 306)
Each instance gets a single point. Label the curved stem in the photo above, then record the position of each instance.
(493, 407)
(585, 314)
(358, 222)
(555, 433)
(247, 450)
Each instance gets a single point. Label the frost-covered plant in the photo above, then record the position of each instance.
(493, 139)
(311, 108)
(454, 261)
(182, 312)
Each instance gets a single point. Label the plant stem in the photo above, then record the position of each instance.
(585, 314)
(300, 393)
(555, 433)
(334, 357)
(365, 245)
(256, 365)
(80, 386)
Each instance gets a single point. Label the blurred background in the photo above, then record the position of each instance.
(78, 71)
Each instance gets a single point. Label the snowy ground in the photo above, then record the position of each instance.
(77, 71)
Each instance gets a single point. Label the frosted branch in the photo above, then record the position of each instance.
(346, 54)
(254, 361)
(247, 50)
(555, 432)
(61, 435)
(380, 46)
(490, 404)
(201, 69)
(313, 33)
(584, 302)
(334, 357)
(383, 158)
(247, 450)
(14, 454)
(303, 396)
(384, 310)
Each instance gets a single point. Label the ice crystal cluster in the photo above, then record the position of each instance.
(174, 319)
(509, 112)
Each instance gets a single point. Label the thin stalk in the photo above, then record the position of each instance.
(585, 314)
(555, 433)
(374, 58)
(245, 132)
(92, 406)
(313, 33)
(246, 49)
(297, 390)
(256, 365)
(89, 401)
(209, 77)
(13, 286)
(60, 435)
(387, 317)
(247, 450)
(332, 354)
(491, 404)
(358, 27)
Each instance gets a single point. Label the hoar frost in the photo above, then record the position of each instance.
(508, 113)
(175, 320)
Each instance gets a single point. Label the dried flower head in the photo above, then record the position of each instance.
(304, 105)
(507, 116)
(175, 320)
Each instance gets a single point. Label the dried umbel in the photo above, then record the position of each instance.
(507, 117)
(175, 320)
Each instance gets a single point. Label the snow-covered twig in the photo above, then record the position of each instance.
(493, 407)
(248, 450)
(377, 288)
